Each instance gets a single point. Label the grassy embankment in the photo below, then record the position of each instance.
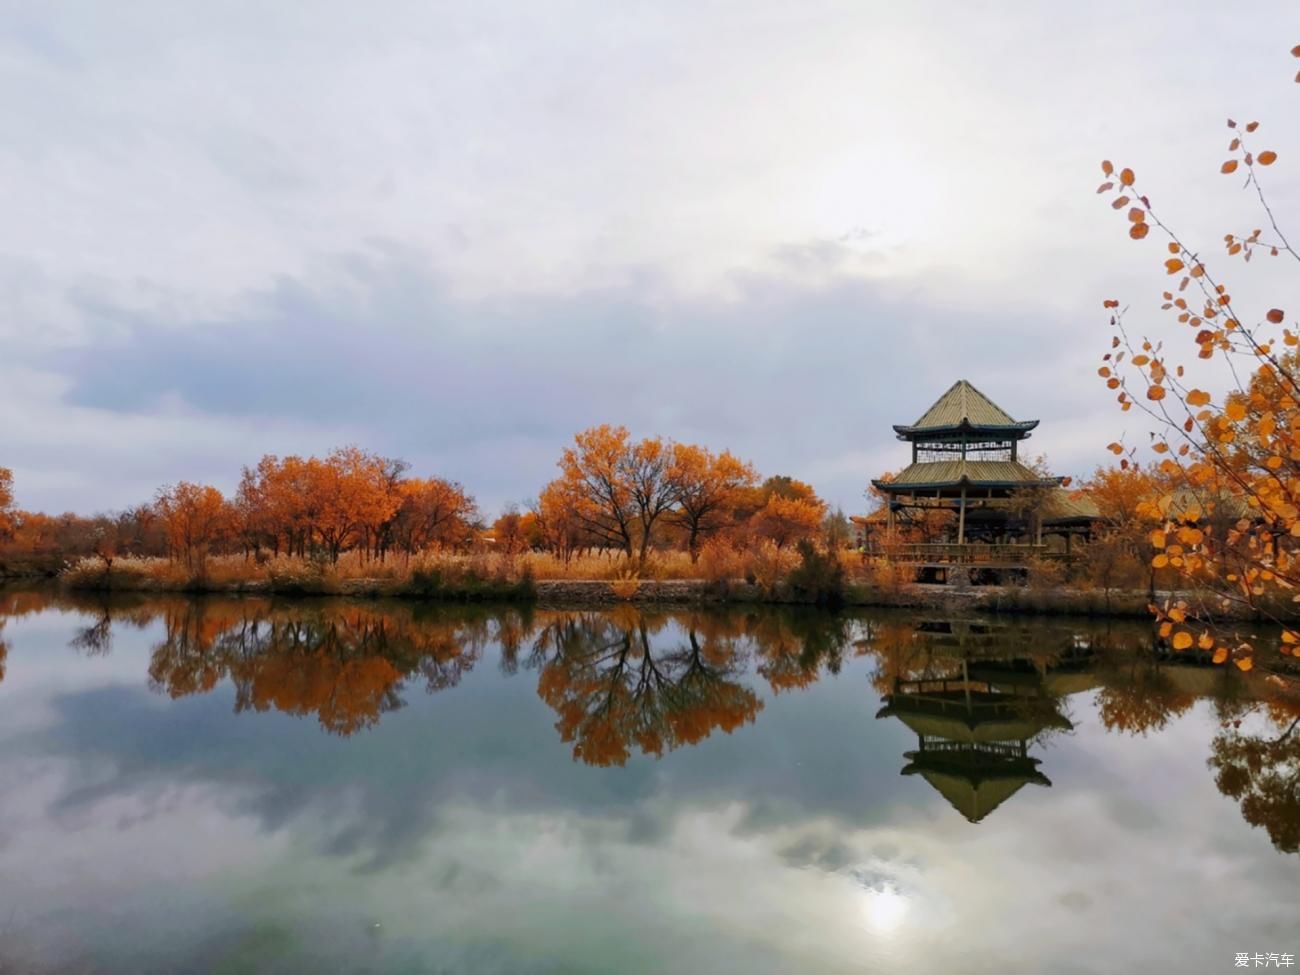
(764, 575)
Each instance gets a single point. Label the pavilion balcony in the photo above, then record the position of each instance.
(970, 553)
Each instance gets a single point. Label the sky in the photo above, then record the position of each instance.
(460, 233)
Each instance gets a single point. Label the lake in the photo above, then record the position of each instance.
(226, 785)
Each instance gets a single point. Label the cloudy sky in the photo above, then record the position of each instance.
(460, 233)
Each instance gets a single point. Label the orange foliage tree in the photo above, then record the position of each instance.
(707, 485)
(1119, 555)
(6, 503)
(593, 487)
(432, 513)
(1229, 521)
(790, 512)
(196, 518)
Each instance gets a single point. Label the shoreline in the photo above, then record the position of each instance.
(994, 600)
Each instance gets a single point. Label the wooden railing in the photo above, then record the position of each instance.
(974, 553)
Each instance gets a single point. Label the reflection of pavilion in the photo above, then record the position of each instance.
(974, 723)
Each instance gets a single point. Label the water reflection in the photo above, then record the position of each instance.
(980, 698)
(253, 785)
(975, 709)
(613, 690)
(346, 664)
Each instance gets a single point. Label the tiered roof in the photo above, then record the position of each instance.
(964, 409)
(973, 473)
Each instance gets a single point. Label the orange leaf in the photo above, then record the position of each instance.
(1119, 203)
(1198, 397)
(1228, 166)
(1220, 655)
(1138, 231)
(1126, 177)
(1267, 157)
(1251, 126)
(1245, 663)
(1106, 167)
(1182, 640)
(1173, 265)
(1235, 411)
(1275, 315)
(1156, 393)
(1115, 448)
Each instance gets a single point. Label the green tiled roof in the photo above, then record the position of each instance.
(1063, 505)
(965, 407)
(973, 473)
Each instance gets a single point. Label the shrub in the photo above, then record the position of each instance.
(626, 585)
(719, 562)
(819, 578)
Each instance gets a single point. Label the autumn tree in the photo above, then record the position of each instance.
(6, 503)
(593, 486)
(707, 488)
(1238, 451)
(1119, 554)
(558, 526)
(648, 470)
(350, 497)
(509, 532)
(432, 513)
(787, 520)
(195, 517)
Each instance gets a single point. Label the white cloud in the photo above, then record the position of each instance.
(167, 165)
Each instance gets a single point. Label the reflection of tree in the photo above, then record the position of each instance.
(1139, 694)
(794, 649)
(344, 663)
(96, 639)
(1262, 772)
(612, 689)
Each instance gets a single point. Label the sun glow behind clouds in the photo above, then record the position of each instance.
(886, 909)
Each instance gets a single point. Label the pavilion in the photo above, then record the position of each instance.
(966, 461)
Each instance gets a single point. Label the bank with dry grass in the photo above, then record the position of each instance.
(768, 575)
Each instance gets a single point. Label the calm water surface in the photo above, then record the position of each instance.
(221, 785)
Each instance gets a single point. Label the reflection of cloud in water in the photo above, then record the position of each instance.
(462, 827)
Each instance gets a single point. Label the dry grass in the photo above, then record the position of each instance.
(626, 585)
(764, 564)
(604, 564)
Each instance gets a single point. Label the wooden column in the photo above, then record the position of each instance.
(961, 519)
